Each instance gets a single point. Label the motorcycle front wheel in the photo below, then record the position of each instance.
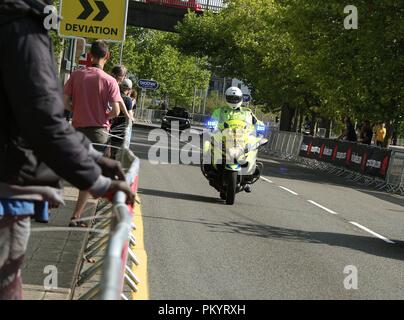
(231, 186)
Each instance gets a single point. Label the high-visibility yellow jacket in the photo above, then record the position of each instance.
(225, 114)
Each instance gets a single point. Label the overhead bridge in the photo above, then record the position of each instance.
(165, 14)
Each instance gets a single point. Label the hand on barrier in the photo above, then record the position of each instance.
(118, 185)
(111, 168)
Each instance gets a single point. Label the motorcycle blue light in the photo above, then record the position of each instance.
(260, 128)
(211, 123)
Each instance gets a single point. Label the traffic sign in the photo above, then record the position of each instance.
(246, 98)
(148, 84)
(97, 19)
(85, 60)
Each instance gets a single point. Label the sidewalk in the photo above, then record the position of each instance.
(61, 248)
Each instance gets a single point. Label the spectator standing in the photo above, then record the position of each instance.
(118, 124)
(93, 96)
(366, 134)
(133, 96)
(37, 145)
(119, 73)
(394, 138)
(380, 134)
(349, 133)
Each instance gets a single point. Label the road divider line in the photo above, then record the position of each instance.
(288, 190)
(140, 251)
(371, 232)
(267, 180)
(322, 207)
(186, 142)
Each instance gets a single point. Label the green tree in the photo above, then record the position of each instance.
(297, 54)
(150, 55)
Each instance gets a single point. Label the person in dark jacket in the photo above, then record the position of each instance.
(349, 133)
(366, 134)
(37, 145)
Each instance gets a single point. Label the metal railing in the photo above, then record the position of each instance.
(286, 145)
(196, 5)
(111, 237)
(283, 144)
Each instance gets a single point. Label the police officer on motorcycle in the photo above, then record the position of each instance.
(234, 111)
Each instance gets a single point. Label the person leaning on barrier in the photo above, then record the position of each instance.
(37, 145)
(94, 97)
(118, 124)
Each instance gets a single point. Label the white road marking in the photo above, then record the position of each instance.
(371, 232)
(322, 207)
(174, 137)
(267, 180)
(288, 190)
(193, 131)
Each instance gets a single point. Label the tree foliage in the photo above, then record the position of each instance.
(150, 55)
(298, 53)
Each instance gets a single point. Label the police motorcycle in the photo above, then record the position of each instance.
(229, 156)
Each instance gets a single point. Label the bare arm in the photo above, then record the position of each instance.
(67, 102)
(116, 110)
(128, 114)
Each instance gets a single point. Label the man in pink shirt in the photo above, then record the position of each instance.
(94, 97)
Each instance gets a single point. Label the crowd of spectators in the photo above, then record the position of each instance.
(365, 133)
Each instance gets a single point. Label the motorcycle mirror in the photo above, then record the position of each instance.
(263, 142)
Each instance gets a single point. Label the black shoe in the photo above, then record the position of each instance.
(247, 188)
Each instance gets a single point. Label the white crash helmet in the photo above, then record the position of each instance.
(234, 97)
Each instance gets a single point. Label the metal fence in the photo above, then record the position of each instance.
(111, 237)
(286, 145)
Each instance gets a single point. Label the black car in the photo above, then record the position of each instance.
(179, 115)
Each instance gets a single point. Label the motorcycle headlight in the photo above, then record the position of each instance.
(235, 153)
(165, 120)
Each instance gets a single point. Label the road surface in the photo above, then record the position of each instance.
(301, 234)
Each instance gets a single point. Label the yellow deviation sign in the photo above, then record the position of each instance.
(97, 19)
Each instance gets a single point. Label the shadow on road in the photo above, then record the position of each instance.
(365, 244)
(369, 245)
(293, 171)
(180, 196)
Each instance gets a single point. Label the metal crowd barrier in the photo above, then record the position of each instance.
(149, 116)
(111, 237)
(283, 144)
(395, 176)
(286, 145)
